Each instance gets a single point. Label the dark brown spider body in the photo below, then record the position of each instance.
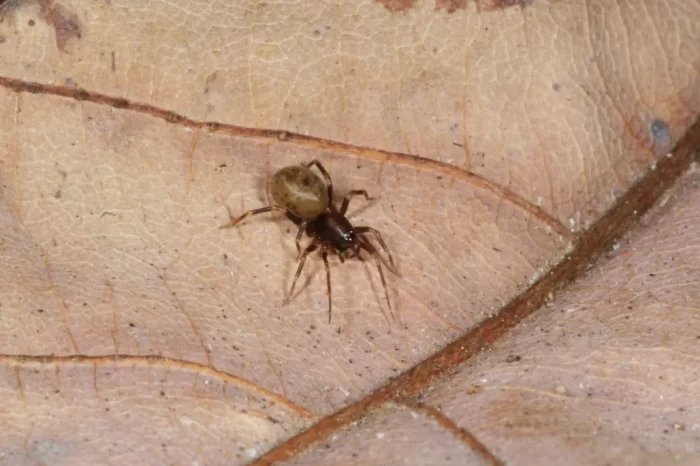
(308, 201)
(333, 229)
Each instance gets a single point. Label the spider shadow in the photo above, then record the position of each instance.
(368, 264)
(311, 269)
(352, 213)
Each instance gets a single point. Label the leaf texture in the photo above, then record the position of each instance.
(506, 145)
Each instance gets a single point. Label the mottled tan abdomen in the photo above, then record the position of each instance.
(300, 191)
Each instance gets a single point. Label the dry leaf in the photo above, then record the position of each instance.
(507, 145)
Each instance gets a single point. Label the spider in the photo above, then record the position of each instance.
(308, 201)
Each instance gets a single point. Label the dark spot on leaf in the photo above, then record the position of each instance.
(64, 22)
(120, 103)
(31, 22)
(80, 94)
(513, 358)
(172, 117)
(209, 81)
(502, 4)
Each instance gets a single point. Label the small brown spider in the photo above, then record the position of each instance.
(306, 200)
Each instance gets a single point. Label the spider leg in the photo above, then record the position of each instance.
(311, 248)
(235, 221)
(350, 195)
(379, 238)
(302, 228)
(324, 254)
(377, 258)
(326, 176)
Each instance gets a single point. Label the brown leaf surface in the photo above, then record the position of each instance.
(473, 88)
(134, 330)
(608, 372)
(605, 374)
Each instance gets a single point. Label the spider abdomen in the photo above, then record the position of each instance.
(300, 191)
